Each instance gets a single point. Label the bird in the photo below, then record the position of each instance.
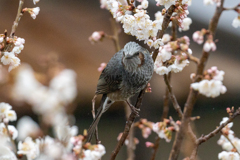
(127, 73)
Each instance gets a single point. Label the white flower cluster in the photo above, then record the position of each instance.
(211, 2)
(212, 85)
(10, 58)
(6, 113)
(7, 134)
(42, 149)
(167, 62)
(32, 11)
(49, 102)
(93, 154)
(227, 143)
(161, 129)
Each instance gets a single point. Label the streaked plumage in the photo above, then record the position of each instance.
(127, 73)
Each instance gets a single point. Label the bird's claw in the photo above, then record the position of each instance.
(135, 111)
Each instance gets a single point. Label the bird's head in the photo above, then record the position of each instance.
(133, 56)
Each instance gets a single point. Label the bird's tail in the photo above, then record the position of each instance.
(105, 104)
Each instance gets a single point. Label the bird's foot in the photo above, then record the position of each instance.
(135, 110)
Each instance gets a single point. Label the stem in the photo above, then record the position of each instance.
(165, 24)
(15, 23)
(231, 143)
(115, 36)
(141, 94)
(173, 98)
(192, 97)
(128, 125)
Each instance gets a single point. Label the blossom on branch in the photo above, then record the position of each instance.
(211, 85)
(6, 114)
(173, 56)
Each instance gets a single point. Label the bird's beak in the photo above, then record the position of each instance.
(128, 56)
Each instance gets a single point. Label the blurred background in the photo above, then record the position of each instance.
(58, 38)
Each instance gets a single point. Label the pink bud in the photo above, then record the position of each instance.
(149, 144)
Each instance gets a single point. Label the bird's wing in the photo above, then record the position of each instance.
(111, 77)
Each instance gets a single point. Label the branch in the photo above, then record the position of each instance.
(165, 24)
(128, 125)
(192, 97)
(173, 98)
(17, 19)
(218, 129)
(231, 143)
(141, 94)
(115, 36)
(15, 23)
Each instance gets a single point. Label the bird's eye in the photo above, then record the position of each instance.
(137, 53)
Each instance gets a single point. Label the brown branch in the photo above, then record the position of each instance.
(192, 97)
(17, 19)
(15, 23)
(131, 145)
(115, 36)
(218, 129)
(155, 147)
(141, 94)
(194, 59)
(128, 125)
(173, 98)
(213, 133)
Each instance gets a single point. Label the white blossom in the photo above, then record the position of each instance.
(228, 155)
(185, 24)
(178, 66)
(164, 53)
(1, 39)
(6, 153)
(166, 3)
(236, 22)
(29, 148)
(208, 2)
(225, 119)
(34, 12)
(6, 113)
(162, 70)
(210, 88)
(7, 58)
(209, 46)
(96, 153)
(27, 127)
(35, 1)
(160, 131)
(166, 38)
(198, 37)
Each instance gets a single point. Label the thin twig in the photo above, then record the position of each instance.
(231, 143)
(115, 31)
(194, 59)
(173, 98)
(15, 23)
(17, 19)
(192, 97)
(218, 129)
